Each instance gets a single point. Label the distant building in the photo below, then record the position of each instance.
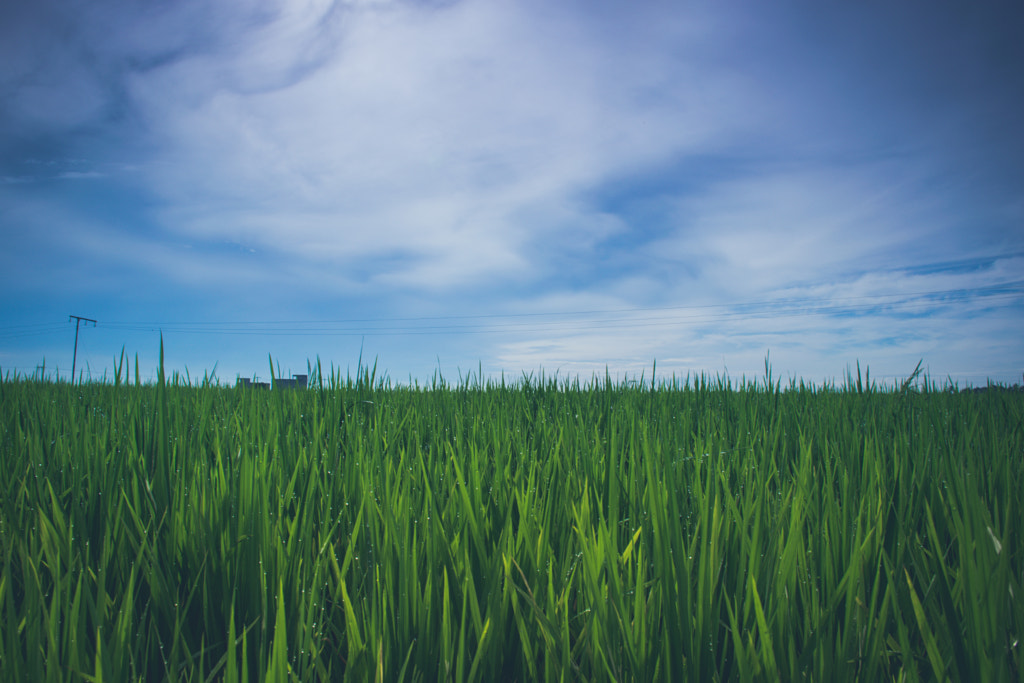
(296, 382)
(249, 384)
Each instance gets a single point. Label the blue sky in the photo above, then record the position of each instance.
(514, 186)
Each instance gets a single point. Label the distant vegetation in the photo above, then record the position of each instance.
(546, 530)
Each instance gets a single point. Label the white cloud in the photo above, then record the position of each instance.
(776, 228)
(451, 134)
(814, 347)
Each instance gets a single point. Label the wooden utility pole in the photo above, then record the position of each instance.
(74, 359)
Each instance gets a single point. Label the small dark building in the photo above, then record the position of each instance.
(249, 384)
(296, 382)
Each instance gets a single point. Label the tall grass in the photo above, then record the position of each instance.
(546, 529)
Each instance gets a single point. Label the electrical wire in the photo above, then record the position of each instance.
(908, 304)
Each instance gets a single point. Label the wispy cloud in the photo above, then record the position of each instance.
(456, 136)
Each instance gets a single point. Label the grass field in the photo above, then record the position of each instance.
(536, 530)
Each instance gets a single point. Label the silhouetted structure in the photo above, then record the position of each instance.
(249, 384)
(296, 382)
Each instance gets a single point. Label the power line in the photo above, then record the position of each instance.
(36, 331)
(1001, 289)
(555, 321)
(566, 320)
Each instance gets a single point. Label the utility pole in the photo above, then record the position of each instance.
(78, 321)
